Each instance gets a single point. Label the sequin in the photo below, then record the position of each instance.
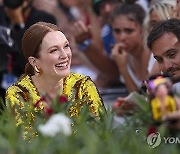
(77, 87)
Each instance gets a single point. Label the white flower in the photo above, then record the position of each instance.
(56, 124)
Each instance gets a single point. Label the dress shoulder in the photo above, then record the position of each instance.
(76, 76)
(22, 89)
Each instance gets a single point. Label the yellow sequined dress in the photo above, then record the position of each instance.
(83, 85)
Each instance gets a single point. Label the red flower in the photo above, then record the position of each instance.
(117, 104)
(48, 111)
(37, 104)
(151, 130)
(63, 99)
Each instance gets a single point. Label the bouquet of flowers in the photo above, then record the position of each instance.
(58, 132)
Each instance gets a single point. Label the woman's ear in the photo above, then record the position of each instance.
(32, 61)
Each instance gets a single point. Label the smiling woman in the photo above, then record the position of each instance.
(47, 72)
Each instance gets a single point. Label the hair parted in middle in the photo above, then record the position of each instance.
(130, 9)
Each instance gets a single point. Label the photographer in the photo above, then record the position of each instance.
(18, 15)
(5, 43)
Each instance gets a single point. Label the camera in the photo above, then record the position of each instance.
(13, 4)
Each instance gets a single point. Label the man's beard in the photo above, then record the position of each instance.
(171, 71)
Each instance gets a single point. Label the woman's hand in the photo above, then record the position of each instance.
(124, 106)
(81, 31)
(119, 55)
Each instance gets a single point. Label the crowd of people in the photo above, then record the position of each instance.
(116, 43)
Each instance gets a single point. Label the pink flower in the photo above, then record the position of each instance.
(63, 99)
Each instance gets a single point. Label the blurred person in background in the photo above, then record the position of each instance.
(17, 16)
(159, 10)
(6, 42)
(108, 70)
(129, 53)
(106, 66)
(68, 13)
(164, 42)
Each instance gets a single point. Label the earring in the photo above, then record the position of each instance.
(37, 72)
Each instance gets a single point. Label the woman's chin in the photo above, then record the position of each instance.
(63, 73)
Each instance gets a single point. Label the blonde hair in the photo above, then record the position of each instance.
(162, 7)
(163, 10)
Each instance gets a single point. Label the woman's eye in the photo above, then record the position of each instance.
(116, 30)
(67, 46)
(53, 50)
(129, 31)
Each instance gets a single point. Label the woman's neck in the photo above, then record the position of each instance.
(137, 53)
(48, 86)
(162, 98)
(139, 59)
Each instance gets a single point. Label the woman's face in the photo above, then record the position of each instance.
(161, 90)
(127, 32)
(154, 19)
(55, 55)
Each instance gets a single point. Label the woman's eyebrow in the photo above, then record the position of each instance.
(66, 42)
(53, 47)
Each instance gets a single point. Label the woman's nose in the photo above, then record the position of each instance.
(62, 54)
(122, 37)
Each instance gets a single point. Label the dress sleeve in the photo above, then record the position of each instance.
(94, 101)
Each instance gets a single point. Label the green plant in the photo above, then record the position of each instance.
(89, 135)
